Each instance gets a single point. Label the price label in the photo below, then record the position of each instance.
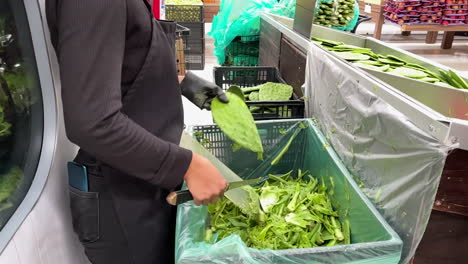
(368, 8)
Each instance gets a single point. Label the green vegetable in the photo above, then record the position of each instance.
(4, 125)
(9, 183)
(391, 62)
(408, 72)
(254, 96)
(430, 79)
(251, 89)
(403, 68)
(372, 62)
(236, 121)
(290, 216)
(350, 56)
(286, 148)
(275, 92)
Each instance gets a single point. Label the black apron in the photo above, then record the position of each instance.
(123, 219)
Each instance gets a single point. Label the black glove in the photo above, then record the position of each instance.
(200, 91)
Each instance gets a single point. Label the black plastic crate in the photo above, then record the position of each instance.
(195, 61)
(196, 46)
(184, 13)
(226, 77)
(197, 29)
(243, 51)
(182, 31)
(213, 139)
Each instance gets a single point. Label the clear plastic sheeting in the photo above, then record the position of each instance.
(398, 165)
(372, 239)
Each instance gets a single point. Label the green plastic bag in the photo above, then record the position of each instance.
(238, 18)
(373, 240)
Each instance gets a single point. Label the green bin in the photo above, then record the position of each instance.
(373, 240)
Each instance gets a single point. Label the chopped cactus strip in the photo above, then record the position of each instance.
(391, 62)
(429, 79)
(371, 62)
(236, 121)
(395, 58)
(350, 56)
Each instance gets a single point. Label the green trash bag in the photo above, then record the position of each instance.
(238, 18)
(372, 239)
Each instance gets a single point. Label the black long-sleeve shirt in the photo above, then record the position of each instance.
(101, 46)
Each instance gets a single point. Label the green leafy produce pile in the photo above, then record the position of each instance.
(336, 13)
(366, 58)
(4, 125)
(184, 2)
(295, 213)
(268, 92)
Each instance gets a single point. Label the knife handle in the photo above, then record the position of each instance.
(179, 197)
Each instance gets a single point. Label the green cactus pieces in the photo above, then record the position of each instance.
(254, 96)
(236, 121)
(275, 92)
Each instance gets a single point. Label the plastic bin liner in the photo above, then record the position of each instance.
(398, 163)
(238, 18)
(373, 240)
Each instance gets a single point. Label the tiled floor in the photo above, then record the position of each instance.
(456, 58)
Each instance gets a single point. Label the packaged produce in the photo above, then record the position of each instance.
(336, 13)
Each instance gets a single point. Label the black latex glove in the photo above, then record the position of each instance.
(201, 92)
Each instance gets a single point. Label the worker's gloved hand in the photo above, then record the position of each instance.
(200, 91)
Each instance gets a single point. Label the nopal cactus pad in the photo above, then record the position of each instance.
(236, 121)
(275, 92)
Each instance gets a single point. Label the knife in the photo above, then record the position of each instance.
(180, 197)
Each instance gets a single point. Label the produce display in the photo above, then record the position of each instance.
(445, 12)
(184, 2)
(366, 58)
(239, 127)
(334, 13)
(294, 213)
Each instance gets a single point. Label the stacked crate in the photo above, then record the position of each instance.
(191, 17)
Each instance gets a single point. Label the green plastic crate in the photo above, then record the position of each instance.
(373, 240)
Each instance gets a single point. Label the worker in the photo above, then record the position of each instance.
(122, 106)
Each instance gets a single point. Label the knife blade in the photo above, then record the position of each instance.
(182, 196)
